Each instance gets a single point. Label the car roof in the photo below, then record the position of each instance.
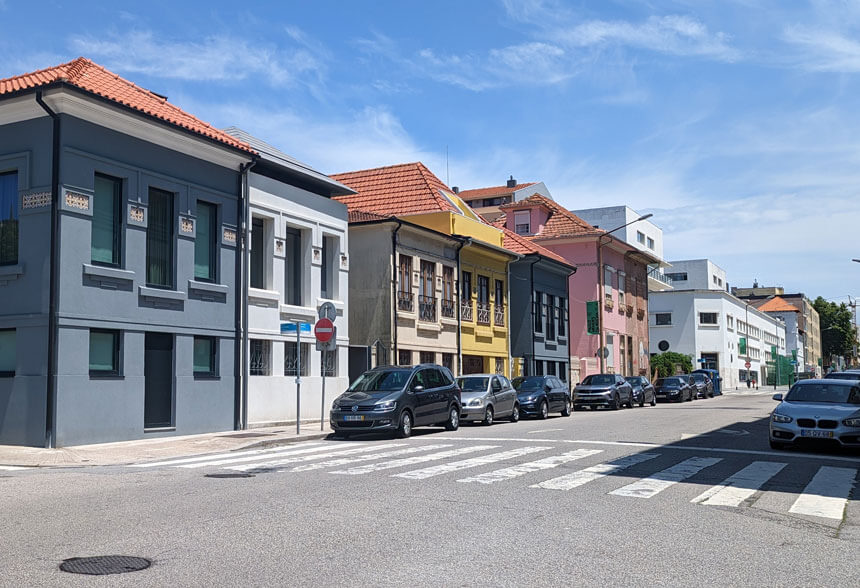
(828, 381)
(479, 375)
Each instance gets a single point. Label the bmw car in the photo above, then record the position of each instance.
(815, 412)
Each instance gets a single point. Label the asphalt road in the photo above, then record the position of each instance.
(674, 495)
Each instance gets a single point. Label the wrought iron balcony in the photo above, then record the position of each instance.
(499, 315)
(404, 301)
(466, 310)
(447, 308)
(427, 309)
(483, 313)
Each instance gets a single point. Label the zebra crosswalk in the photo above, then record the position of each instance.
(741, 482)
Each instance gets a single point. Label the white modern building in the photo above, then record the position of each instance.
(718, 330)
(644, 235)
(297, 261)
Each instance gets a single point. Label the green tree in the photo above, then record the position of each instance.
(665, 364)
(838, 336)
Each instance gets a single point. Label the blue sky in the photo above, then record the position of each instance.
(734, 121)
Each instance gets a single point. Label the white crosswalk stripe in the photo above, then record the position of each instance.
(172, 462)
(273, 455)
(826, 494)
(12, 468)
(652, 485)
(740, 486)
(408, 461)
(348, 460)
(282, 460)
(534, 466)
(595, 472)
(445, 468)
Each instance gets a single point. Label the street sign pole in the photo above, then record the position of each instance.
(322, 401)
(298, 378)
(327, 312)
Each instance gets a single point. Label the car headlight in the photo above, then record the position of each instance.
(476, 403)
(385, 406)
(780, 418)
(335, 405)
(851, 422)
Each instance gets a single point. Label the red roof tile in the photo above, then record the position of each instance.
(521, 245)
(361, 216)
(561, 222)
(493, 191)
(777, 304)
(93, 78)
(396, 190)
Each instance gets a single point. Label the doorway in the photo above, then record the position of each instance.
(158, 381)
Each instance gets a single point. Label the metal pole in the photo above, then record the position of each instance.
(322, 405)
(600, 301)
(298, 377)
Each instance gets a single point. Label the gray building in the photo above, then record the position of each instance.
(119, 232)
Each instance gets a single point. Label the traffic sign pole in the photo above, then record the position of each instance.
(298, 380)
(326, 335)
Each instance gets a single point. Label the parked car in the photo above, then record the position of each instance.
(643, 391)
(396, 399)
(674, 388)
(703, 384)
(486, 397)
(610, 390)
(540, 395)
(826, 410)
(846, 375)
(716, 380)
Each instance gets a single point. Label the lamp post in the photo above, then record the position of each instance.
(601, 350)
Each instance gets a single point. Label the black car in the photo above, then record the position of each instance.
(704, 386)
(846, 375)
(674, 388)
(610, 390)
(396, 399)
(643, 391)
(540, 395)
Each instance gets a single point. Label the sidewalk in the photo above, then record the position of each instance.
(128, 452)
(762, 390)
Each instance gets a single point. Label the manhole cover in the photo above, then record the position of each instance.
(101, 565)
(228, 476)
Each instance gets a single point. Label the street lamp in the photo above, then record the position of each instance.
(857, 260)
(601, 350)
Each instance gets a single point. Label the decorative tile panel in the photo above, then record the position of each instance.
(229, 236)
(136, 214)
(344, 262)
(37, 200)
(186, 225)
(77, 200)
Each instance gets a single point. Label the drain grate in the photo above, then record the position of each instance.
(101, 565)
(228, 476)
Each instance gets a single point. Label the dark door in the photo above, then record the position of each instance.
(158, 378)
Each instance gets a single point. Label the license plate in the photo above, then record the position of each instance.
(353, 417)
(814, 433)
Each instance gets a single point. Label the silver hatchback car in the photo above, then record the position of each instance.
(813, 411)
(486, 397)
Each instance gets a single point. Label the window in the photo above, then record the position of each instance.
(258, 253)
(448, 361)
(663, 318)
(329, 363)
(404, 357)
(640, 237)
(522, 222)
(483, 308)
(538, 312)
(426, 287)
(550, 368)
(293, 267)
(562, 371)
(404, 284)
(500, 293)
(447, 291)
(500, 365)
(621, 288)
(610, 348)
(159, 239)
(730, 322)
(538, 367)
(106, 229)
(292, 361)
(650, 243)
(549, 310)
(329, 264)
(205, 355)
(104, 352)
(707, 318)
(260, 363)
(205, 242)
(9, 218)
(8, 355)
(562, 317)
(466, 286)
(428, 357)
(677, 277)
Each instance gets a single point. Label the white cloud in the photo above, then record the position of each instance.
(824, 50)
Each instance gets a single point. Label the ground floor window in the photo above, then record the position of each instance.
(538, 367)
(104, 352)
(329, 363)
(473, 364)
(205, 353)
(7, 352)
(562, 371)
(261, 358)
(404, 357)
(448, 361)
(428, 357)
(292, 360)
(550, 368)
(500, 365)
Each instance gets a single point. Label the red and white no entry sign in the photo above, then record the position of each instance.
(747, 365)
(323, 330)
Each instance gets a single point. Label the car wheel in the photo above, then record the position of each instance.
(615, 403)
(453, 422)
(642, 399)
(566, 410)
(488, 416)
(543, 410)
(515, 414)
(404, 430)
(578, 408)
(776, 445)
(654, 399)
(630, 401)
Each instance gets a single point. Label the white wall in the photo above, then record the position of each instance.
(702, 274)
(609, 217)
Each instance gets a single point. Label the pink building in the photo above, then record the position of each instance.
(622, 296)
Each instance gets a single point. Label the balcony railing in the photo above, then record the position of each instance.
(499, 315)
(466, 310)
(404, 301)
(483, 313)
(447, 308)
(427, 309)
(659, 276)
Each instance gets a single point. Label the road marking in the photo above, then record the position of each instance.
(348, 460)
(445, 468)
(295, 457)
(535, 466)
(219, 456)
(407, 461)
(545, 431)
(595, 472)
(258, 457)
(652, 485)
(827, 493)
(740, 486)
(12, 468)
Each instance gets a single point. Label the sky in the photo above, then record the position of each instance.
(735, 122)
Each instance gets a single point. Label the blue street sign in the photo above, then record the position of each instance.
(702, 360)
(291, 327)
(793, 362)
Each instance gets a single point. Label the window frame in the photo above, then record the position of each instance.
(212, 372)
(293, 266)
(716, 316)
(657, 322)
(169, 241)
(15, 218)
(116, 359)
(305, 365)
(11, 373)
(212, 242)
(116, 222)
(266, 354)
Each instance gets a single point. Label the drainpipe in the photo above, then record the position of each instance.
(465, 241)
(531, 299)
(240, 359)
(567, 320)
(394, 292)
(51, 400)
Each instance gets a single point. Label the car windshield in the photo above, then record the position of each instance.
(599, 380)
(699, 377)
(472, 384)
(528, 384)
(634, 380)
(668, 382)
(380, 381)
(822, 392)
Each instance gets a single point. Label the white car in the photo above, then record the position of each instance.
(817, 411)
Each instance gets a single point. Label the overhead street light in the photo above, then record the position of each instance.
(857, 260)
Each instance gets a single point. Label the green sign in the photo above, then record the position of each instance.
(742, 346)
(592, 321)
(773, 351)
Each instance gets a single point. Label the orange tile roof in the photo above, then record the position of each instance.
(493, 191)
(395, 190)
(523, 246)
(561, 222)
(777, 304)
(361, 216)
(94, 79)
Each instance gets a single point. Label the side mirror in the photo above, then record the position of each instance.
(777, 397)
(418, 388)
(547, 387)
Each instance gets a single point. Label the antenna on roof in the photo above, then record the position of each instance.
(447, 176)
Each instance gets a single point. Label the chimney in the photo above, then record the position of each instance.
(511, 182)
(455, 189)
